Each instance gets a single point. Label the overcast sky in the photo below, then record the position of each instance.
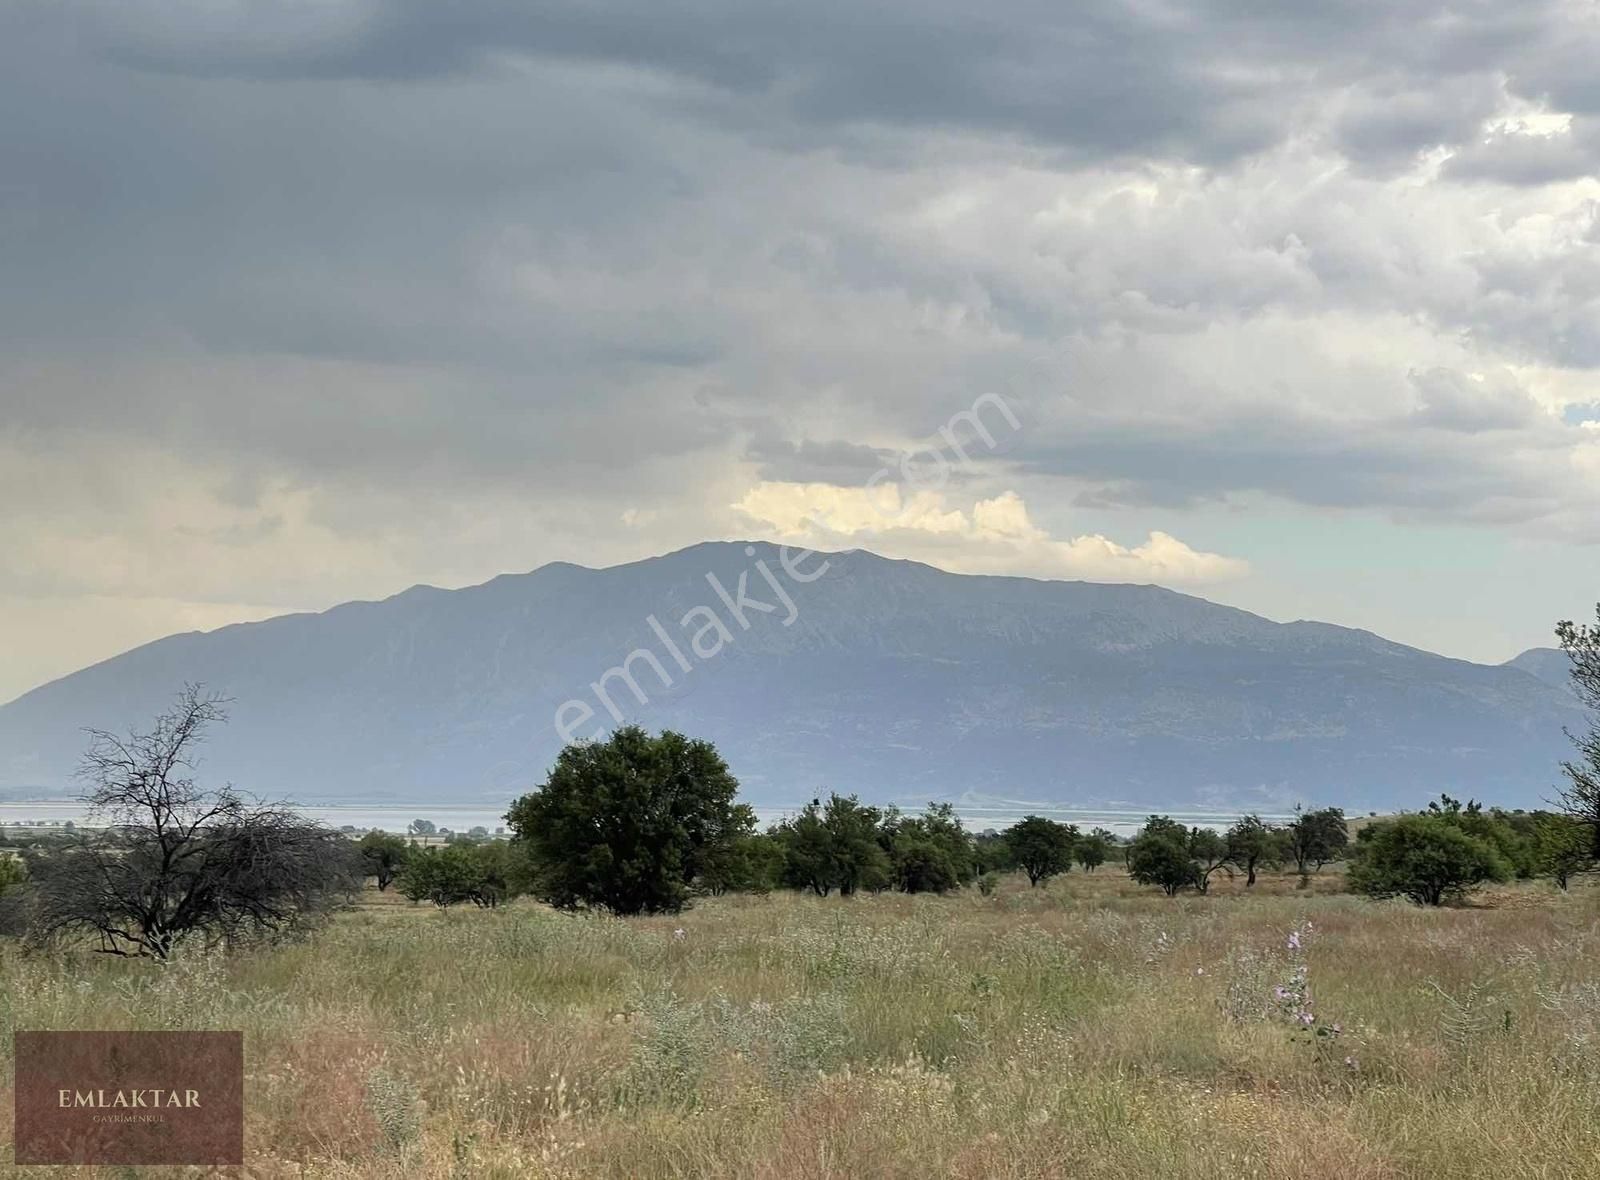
(1297, 305)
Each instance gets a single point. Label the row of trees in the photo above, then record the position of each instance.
(1175, 858)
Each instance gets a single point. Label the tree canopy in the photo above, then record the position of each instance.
(628, 824)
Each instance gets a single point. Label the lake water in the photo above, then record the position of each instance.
(464, 818)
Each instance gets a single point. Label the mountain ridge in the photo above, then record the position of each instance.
(891, 678)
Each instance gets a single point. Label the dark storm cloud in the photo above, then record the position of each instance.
(414, 246)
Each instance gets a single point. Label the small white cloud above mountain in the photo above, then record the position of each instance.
(994, 536)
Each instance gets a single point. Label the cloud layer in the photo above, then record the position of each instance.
(310, 301)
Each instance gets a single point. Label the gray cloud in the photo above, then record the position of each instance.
(427, 291)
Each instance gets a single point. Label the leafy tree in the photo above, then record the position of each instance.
(808, 852)
(1494, 827)
(628, 824)
(930, 852)
(1252, 843)
(1208, 853)
(484, 874)
(1092, 850)
(833, 846)
(176, 861)
(750, 863)
(1316, 837)
(1162, 858)
(1580, 799)
(421, 827)
(1163, 825)
(1425, 858)
(383, 855)
(1562, 848)
(922, 865)
(991, 853)
(858, 859)
(1042, 847)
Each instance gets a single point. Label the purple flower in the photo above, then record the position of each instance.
(1294, 940)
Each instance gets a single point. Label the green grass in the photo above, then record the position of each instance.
(1089, 1029)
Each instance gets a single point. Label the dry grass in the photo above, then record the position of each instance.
(1090, 1029)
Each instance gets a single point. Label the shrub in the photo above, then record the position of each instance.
(1425, 858)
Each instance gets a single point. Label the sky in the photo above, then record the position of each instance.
(1292, 305)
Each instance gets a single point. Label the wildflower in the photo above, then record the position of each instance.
(1307, 1019)
(1199, 970)
(1294, 940)
(678, 933)
(1351, 1063)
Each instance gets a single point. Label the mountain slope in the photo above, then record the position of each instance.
(1549, 664)
(892, 679)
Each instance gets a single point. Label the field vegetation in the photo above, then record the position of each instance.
(1091, 1027)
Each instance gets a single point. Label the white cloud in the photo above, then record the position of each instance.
(993, 536)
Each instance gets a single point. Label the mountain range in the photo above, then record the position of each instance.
(841, 671)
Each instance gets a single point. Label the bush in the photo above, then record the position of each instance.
(479, 873)
(1425, 858)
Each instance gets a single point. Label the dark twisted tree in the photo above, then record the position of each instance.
(174, 861)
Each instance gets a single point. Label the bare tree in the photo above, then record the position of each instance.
(1580, 799)
(175, 860)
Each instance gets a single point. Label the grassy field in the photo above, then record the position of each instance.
(1089, 1029)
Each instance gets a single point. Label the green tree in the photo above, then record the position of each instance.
(923, 866)
(383, 855)
(931, 852)
(1208, 853)
(1562, 848)
(1161, 857)
(992, 853)
(1042, 847)
(1423, 857)
(749, 863)
(421, 827)
(1252, 843)
(833, 846)
(1093, 850)
(628, 824)
(1316, 837)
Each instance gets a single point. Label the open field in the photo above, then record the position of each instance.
(1089, 1029)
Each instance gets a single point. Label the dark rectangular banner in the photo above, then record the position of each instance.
(129, 1097)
